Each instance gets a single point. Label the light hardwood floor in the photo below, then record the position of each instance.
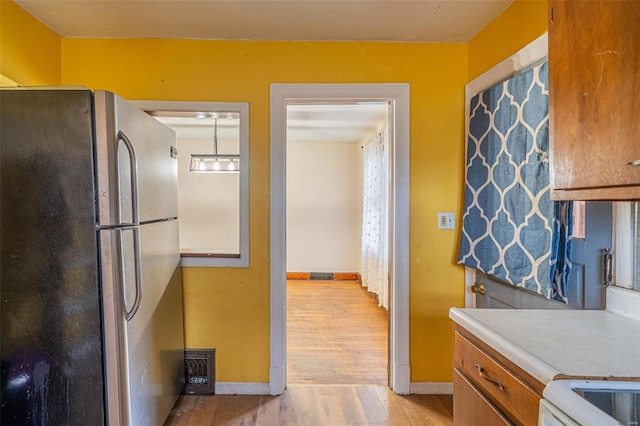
(336, 334)
(315, 405)
(337, 339)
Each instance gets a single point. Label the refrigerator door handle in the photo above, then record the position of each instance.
(133, 164)
(130, 313)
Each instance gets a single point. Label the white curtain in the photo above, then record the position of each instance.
(375, 218)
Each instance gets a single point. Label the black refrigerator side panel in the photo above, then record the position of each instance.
(50, 318)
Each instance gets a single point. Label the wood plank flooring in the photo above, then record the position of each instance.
(336, 334)
(315, 405)
(337, 340)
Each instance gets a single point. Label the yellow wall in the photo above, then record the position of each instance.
(29, 51)
(522, 22)
(229, 308)
(517, 26)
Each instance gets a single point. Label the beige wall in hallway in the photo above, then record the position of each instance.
(209, 203)
(324, 206)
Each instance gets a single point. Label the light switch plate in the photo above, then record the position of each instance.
(446, 221)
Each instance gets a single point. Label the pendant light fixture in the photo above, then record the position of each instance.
(215, 163)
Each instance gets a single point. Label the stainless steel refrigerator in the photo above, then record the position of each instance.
(90, 291)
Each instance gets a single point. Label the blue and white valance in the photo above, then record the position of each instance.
(508, 219)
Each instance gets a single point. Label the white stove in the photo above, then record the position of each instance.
(590, 402)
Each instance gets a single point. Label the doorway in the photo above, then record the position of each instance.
(397, 96)
(337, 281)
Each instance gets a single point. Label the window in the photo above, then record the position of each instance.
(627, 244)
(213, 207)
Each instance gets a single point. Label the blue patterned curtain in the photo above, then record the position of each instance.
(508, 227)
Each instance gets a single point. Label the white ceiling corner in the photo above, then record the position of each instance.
(344, 20)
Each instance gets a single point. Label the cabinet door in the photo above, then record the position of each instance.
(472, 408)
(594, 95)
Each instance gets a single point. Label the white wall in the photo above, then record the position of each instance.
(208, 203)
(324, 206)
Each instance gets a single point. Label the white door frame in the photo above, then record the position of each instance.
(397, 95)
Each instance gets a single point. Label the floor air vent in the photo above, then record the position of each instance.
(199, 368)
(325, 276)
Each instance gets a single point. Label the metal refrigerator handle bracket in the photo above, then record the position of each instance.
(129, 314)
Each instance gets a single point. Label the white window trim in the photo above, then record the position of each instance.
(243, 109)
(529, 54)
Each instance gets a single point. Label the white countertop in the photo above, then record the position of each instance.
(551, 343)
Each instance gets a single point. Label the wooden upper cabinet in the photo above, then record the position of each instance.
(594, 99)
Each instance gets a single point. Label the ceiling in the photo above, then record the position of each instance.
(305, 123)
(334, 123)
(200, 125)
(348, 20)
(343, 20)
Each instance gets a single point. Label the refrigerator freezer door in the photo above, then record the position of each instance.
(50, 320)
(148, 353)
(136, 159)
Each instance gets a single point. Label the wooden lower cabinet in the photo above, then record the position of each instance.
(471, 407)
(487, 384)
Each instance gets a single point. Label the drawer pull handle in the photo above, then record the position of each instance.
(634, 163)
(484, 375)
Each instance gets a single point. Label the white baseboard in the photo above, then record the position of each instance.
(440, 388)
(401, 379)
(277, 379)
(242, 388)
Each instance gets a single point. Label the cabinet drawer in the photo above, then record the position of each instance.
(508, 392)
(471, 407)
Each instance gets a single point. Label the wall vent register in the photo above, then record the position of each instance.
(199, 366)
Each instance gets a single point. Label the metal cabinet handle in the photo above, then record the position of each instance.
(478, 289)
(634, 163)
(484, 375)
(608, 267)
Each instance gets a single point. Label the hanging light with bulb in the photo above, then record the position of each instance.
(215, 163)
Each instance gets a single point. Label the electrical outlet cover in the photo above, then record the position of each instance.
(446, 221)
